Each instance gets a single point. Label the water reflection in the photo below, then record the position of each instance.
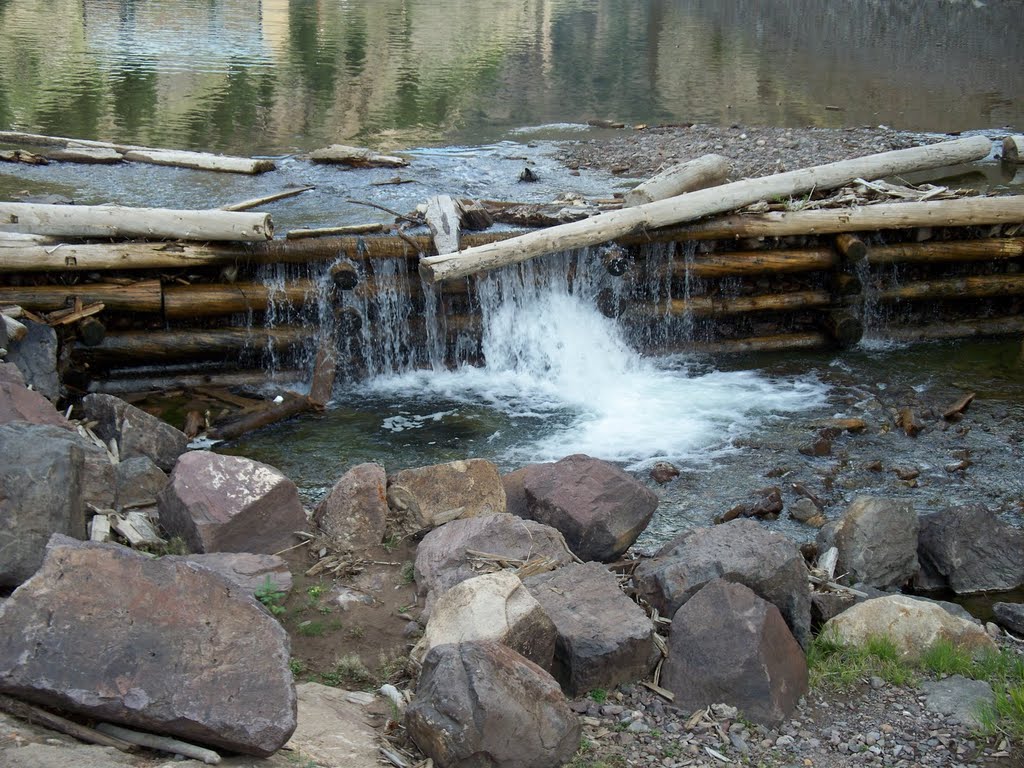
(273, 75)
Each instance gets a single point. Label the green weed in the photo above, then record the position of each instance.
(271, 597)
(599, 695)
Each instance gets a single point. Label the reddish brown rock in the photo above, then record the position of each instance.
(230, 504)
(434, 495)
(160, 645)
(354, 513)
(598, 508)
(19, 403)
(664, 472)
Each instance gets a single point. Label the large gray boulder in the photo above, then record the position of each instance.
(354, 513)
(482, 705)
(36, 357)
(230, 504)
(494, 606)
(1011, 616)
(729, 646)
(742, 551)
(137, 433)
(603, 637)
(968, 549)
(877, 541)
(443, 559)
(208, 665)
(139, 482)
(431, 496)
(598, 508)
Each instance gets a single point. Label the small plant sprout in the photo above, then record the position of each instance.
(271, 596)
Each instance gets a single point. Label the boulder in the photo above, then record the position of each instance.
(354, 513)
(36, 357)
(431, 496)
(603, 637)
(598, 508)
(729, 646)
(914, 625)
(210, 666)
(494, 606)
(332, 731)
(137, 432)
(19, 403)
(230, 504)
(968, 549)
(139, 482)
(958, 698)
(1010, 616)
(742, 551)
(482, 704)
(442, 560)
(248, 571)
(877, 541)
(515, 494)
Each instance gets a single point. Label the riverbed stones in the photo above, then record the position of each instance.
(877, 541)
(729, 646)
(431, 496)
(230, 504)
(493, 606)
(598, 508)
(1010, 616)
(354, 513)
(603, 637)
(482, 704)
(160, 645)
(913, 625)
(742, 551)
(445, 556)
(969, 549)
(137, 433)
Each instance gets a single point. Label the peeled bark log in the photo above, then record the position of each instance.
(852, 247)
(256, 202)
(356, 157)
(28, 256)
(706, 171)
(213, 299)
(733, 263)
(1013, 149)
(120, 221)
(143, 296)
(693, 205)
(443, 219)
(141, 347)
(352, 229)
(473, 215)
(950, 250)
(33, 714)
(973, 287)
(718, 306)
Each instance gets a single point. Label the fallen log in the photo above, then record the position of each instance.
(142, 296)
(293, 405)
(34, 714)
(693, 205)
(705, 171)
(971, 287)
(213, 299)
(161, 743)
(139, 347)
(256, 202)
(355, 157)
(121, 221)
(732, 263)
(950, 250)
(718, 306)
(85, 155)
(843, 326)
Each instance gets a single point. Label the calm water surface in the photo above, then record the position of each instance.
(270, 76)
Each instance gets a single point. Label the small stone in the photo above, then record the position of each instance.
(638, 726)
(876, 682)
(784, 741)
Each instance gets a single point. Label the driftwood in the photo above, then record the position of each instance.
(356, 157)
(120, 221)
(34, 714)
(693, 205)
(273, 413)
(256, 202)
(352, 229)
(1013, 148)
(22, 156)
(86, 155)
(162, 743)
(15, 331)
(124, 383)
(443, 219)
(706, 171)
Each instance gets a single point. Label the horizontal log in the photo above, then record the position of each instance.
(950, 250)
(211, 300)
(293, 405)
(783, 342)
(121, 221)
(972, 287)
(703, 172)
(120, 383)
(139, 347)
(957, 329)
(718, 306)
(351, 229)
(143, 296)
(731, 263)
(27, 256)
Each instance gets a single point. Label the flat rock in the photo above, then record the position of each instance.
(603, 637)
(742, 551)
(137, 433)
(139, 481)
(482, 704)
(248, 571)
(210, 666)
(332, 731)
(222, 503)
(434, 495)
(354, 513)
(494, 606)
(913, 625)
(877, 541)
(969, 549)
(729, 646)
(598, 508)
(1010, 616)
(959, 697)
(443, 559)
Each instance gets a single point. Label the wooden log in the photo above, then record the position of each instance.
(142, 296)
(852, 247)
(957, 409)
(123, 383)
(443, 219)
(705, 171)
(256, 202)
(843, 326)
(693, 205)
(345, 276)
(121, 221)
(784, 342)
(719, 306)
(351, 229)
(355, 157)
(988, 249)
(1013, 148)
(76, 313)
(971, 287)
(615, 260)
(34, 714)
(91, 331)
(161, 743)
(733, 263)
(293, 405)
(473, 215)
(214, 299)
(13, 330)
(27, 256)
(138, 347)
(959, 329)
(22, 156)
(85, 155)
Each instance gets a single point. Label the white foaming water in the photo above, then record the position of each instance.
(554, 361)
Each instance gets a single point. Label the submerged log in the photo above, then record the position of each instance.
(950, 250)
(972, 287)
(121, 221)
(733, 263)
(140, 347)
(293, 405)
(143, 296)
(706, 171)
(356, 157)
(718, 306)
(693, 205)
